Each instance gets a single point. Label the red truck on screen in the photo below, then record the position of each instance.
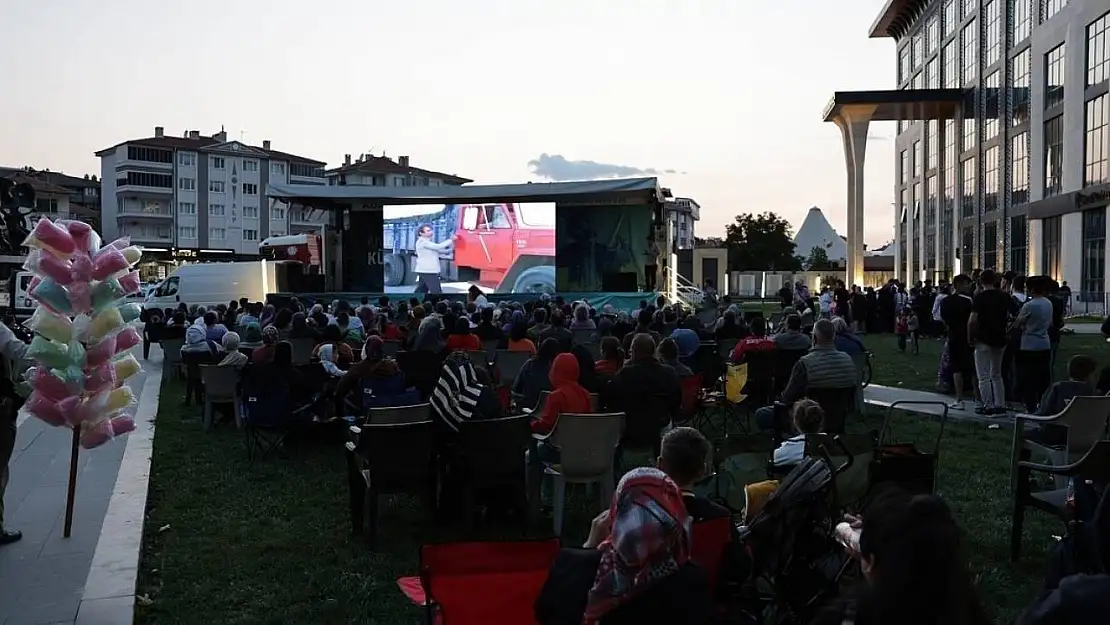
(505, 247)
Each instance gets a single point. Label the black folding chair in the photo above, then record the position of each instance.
(270, 415)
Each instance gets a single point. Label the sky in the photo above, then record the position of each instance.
(721, 99)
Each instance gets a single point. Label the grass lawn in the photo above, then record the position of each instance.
(232, 543)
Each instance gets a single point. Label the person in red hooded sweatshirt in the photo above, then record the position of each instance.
(567, 395)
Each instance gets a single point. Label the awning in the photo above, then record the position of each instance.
(896, 18)
(904, 104)
(620, 191)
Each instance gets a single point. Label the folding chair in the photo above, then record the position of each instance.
(708, 540)
(171, 356)
(269, 416)
(478, 583)
(221, 386)
(302, 350)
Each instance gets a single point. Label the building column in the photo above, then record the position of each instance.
(1071, 250)
(853, 122)
(1035, 251)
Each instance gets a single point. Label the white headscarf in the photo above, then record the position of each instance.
(327, 358)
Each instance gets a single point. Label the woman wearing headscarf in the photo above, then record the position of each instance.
(463, 339)
(332, 335)
(328, 357)
(518, 340)
(299, 328)
(535, 376)
(268, 314)
(582, 319)
(252, 336)
(429, 337)
(635, 567)
(283, 321)
(270, 339)
(381, 381)
(232, 356)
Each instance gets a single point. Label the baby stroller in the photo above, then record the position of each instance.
(796, 561)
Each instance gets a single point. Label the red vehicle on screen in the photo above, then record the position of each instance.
(505, 247)
(302, 248)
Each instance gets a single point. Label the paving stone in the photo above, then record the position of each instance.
(111, 611)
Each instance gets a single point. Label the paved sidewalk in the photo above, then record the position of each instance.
(883, 396)
(43, 577)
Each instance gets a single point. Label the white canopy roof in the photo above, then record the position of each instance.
(621, 191)
(284, 240)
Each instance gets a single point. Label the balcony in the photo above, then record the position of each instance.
(123, 186)
(156, 210)
(142, 234)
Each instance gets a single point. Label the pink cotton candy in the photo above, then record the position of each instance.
(45, 409)
(81, 233)
(35, 281)
(80, 297)
(101, 378)
(130, 282)
(127, 339)
(108, 263)
(53, 236)
(100, 353)
(48, 385)
(117, 245)
(82, 268)
(96, 433)
(55, 268)
(122, 425)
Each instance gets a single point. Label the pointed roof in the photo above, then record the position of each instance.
(816, 231)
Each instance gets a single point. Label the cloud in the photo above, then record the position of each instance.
(878, 138)
(556, 167)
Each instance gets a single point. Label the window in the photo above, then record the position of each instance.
(967, 246)
(305, 170)
(250, 165)
(250, 212)
(217, 234)
(967, 205)
(932, 78)
(186, 232)
(992, 17)
(969, 7)
(1019, 233)
(216, 186)
(218, 162)
(950, 18)
(1096, 152)
(932, 34)
(1098, 50)
(919, 80)
(1019, 169)
(250, 235)
(277, 233)
(905, 63)
(278, 169)
(150, 155)
(187, 184)
(969, 134)
(950, 57)
(1054, 76)
(1094, 255)
(1021, 12)
(1052, 7)
(932, 145)
(217, 210)
(904, 170)
(1053, 156)
(990, 179)
(990, 245)
(187, 159)
(249, 188)
(931, 222)
(277, 214)
(903, 205)
(1050, 243)
(969, 39)
(1019, 87)
(991, 87)
(186, 208)
(46, 205)
(948, 202)
(144, 179)
(918, 50)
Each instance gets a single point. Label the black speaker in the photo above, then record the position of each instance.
(623, 282)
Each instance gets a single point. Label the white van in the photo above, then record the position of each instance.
(212, 284)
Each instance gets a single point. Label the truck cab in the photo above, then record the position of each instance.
(492, 238)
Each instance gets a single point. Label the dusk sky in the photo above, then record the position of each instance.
(722, 99)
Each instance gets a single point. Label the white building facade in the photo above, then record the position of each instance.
(682, 214)
(382, 171)
(201, 197)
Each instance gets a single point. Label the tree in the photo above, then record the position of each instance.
(761, 242)
(709, 242)
(818, 259)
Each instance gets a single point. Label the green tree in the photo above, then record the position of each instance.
(762, 242)
(818, 259)
(709, 242)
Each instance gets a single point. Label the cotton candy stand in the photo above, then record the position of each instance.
(83, 331)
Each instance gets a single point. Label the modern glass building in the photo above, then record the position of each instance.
(1016, 175)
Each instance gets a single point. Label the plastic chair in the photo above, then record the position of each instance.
(586, 445)
(478, 358)
(491, 456)
(221, 386)
(478, 583)
(399, 414)
(509, 364)
(171, 355)
(390, 348)
(583, 337)
(302, 350)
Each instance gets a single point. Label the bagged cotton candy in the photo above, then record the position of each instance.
(118, 244)
(122, 425)
(129, 337)
(105, 293)
(51, 325)
(82, 268)
(100, 353)
(52, 295)
(130, 312)
(125, 367)
(110, 263)
(130, 282)
(51, 237)
(48, 384)
(46, 409)
(101, 379)
(119, 398)
(105, 323)
(49, 266)
(52, 354)
(82, 234)
(96, 433)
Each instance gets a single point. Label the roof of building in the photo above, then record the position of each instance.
(628, 191)
(38, 184)
(900, 104)
(816, 231)
(52, 177)
(201, 142)
(384, 165)
(896, 17)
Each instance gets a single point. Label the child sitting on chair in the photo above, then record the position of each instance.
(808, 418)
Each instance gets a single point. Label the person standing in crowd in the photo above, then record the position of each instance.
(987, 330)
(1034, 359)
(427, 260)
(651, 264)
(955, 312)
(14, 353)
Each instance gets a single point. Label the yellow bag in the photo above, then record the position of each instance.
(735, 379)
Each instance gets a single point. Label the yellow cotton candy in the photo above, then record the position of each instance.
(133, 254)
(54, 328)
(119, 399)
(126, 367)
(104, 323)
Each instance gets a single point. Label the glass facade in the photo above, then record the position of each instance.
(1054, 156)
(1019, 169)
(1019, 253)
(992, 92)
(969, 41)
(932, 145)
(1021, 12)
(950, 58)
(1098, 50)
(951, 18)
(968, 177)
(1019, 87)
(1050, 8)
(1050, 246)
(1094, 254)
(990, 245)
(1096, 153)
(1054, 62)
(992, 19)
(991, 180)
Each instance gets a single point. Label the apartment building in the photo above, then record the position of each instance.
(382, 171)
(682, 214)
(201, 197)
(59, 196)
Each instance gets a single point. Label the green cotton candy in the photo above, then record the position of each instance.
(130, 312)
(106, 293)
(76, 353)
(51, 354)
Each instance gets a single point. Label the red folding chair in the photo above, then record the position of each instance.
(691, 398)
(707, 546)
(477, 583)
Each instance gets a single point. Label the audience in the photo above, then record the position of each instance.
(535, 376)
(232, 356)
(462, 339)
(612, 356)
(567, 394)
(644, 379)
(807, 417)
(793, 339)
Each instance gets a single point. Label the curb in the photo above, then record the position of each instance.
(109, 595)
